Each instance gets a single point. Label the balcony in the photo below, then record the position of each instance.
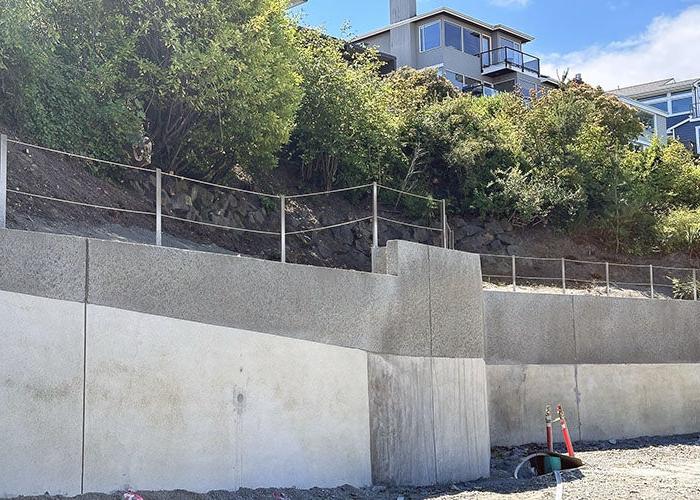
(503, 60)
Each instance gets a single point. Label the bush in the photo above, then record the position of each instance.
(684, 289)
(679, 230)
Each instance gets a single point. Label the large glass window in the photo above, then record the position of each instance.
(663, 106)
(430, 36)
(453, 36)
(472, 42)
(682, 105)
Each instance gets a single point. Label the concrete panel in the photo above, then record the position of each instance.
(41, 395)
(401, 420)
(627, 401)
(456, 304)
(619, 330)
(526, 328)
(428, 420)
(410, 331)
(461, 420)
(176, 404)
(42, 264)
(517, 398)
(345, 308)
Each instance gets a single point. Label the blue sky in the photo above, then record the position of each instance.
(593, 37)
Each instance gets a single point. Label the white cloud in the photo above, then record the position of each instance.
(667, 48)
(510, 3)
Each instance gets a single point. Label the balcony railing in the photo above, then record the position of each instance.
(506, 58)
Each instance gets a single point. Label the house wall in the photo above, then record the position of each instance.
(688, 133)
(381, 42)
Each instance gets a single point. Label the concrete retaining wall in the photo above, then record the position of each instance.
(621, 367)
(131, 365)
(180, 369)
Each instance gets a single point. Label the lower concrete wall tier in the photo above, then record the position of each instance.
(41, 395)
(601, 401)
(176, 404)
(518, 395)
(428, 419)
(626, 401)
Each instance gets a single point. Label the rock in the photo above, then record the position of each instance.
(467, 230)
(495, 227)
(343, 234)
(182, 203)
(496, 246)
(324, 250)
(509, 238)
(612, 441)
(514, 250)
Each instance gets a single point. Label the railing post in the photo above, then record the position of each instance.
(563, 274)
(515, 276)
(3, 181)
(283, 229)
(607, 278)
(375, 220)
(159, 218)
(651, 279)
(695, 285)
(444, 223)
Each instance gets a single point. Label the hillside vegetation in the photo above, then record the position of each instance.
(228, 86)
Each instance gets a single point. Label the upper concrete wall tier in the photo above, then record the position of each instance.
(41, 264)
(524, 328)
(429, 303)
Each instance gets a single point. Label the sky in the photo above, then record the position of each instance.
(612, 43)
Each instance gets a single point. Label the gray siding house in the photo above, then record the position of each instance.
(677, 101)
(476, 56)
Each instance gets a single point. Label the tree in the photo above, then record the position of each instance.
(344, 130)
(211, 83)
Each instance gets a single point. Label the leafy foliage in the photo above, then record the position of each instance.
(212, 84)
(680, 230)
(344, 130)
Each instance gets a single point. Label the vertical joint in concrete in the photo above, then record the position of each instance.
(3, 181)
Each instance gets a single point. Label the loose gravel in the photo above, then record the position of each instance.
(645, 468)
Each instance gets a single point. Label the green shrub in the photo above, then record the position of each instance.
(679, 230)
(684, 289)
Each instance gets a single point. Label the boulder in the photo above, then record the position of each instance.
(495, 227)
(509, 238)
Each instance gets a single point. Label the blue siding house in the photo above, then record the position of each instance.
(679, 101)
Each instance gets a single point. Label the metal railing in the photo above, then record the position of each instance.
(569, 275)
(510, 58)
(158, 216)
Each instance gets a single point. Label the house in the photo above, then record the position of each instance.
(677, 101)
(475, 55)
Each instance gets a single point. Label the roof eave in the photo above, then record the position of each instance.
(445, 10)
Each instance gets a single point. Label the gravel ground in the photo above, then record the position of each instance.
(646, 468)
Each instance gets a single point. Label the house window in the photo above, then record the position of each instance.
(663, 106)
(697, 140)
(683, 105)
(472, 42)
(453, 36)
(429, 36)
